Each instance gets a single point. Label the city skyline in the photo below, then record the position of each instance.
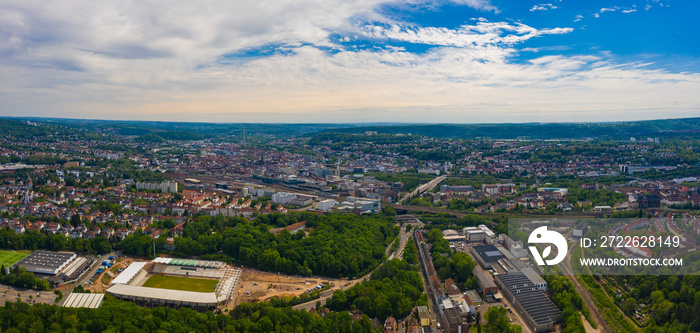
(468, 61)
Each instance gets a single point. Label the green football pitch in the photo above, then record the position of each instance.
(181, 283)
(9, 257)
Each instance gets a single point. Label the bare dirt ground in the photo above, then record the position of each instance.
(97, 282)
(253, 285)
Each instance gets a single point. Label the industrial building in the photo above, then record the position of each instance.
(536, 279)
(486, 255)
(490, 235)
(362, 204)
(452, 319)
(580, 231)
(452, 236)
(474, 235)
(47, 262)
(534, 306)
(473, 296)
(484, 281)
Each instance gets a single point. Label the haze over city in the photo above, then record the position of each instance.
(462, 61)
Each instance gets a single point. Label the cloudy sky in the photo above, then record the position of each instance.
(459, 61)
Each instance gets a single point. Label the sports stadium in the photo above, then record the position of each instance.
(197, 284)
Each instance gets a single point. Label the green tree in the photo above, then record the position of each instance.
(630, 305)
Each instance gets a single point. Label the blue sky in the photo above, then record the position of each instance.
(459, 61)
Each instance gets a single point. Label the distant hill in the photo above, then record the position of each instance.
(189, 130)
(686, 127)
(666, 128)
(23, 129)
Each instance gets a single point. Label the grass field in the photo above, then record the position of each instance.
(181, 283)
(9, 257)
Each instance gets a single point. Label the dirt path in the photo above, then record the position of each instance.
(97, 282)
(255, 285)
(583, 291)
(587, 326)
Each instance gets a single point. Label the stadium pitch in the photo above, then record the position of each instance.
(181, 283)
(9, 258)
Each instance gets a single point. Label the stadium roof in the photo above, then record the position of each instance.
(189, 262)
(129, 273)
(162, 260)
(168, 295)
(84, 300)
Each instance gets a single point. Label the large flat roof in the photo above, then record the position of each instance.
(83, 300)
(537, 305)
(489, 253)
(175, 296)
(129, 273)
(46, 262)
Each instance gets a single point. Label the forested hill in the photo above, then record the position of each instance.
(687, 127)
(337, 245)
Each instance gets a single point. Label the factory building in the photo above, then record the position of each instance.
(527, 298)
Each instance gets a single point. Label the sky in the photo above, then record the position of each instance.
(350, 61)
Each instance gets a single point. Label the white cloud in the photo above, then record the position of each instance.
(542, 7)
(171, 60)
(483, 34)
(578, 18)
(610, 9)
(478, 4)
(627, 11)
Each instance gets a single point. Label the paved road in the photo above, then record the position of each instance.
(92, 270)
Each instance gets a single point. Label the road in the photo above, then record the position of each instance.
(93, 269)
(423, 188)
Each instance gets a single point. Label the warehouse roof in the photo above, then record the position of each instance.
(488, 253)
(162, 294)
(537, 305)
(46, 262)
(83, 300)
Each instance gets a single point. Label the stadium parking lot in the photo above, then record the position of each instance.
(10, 294)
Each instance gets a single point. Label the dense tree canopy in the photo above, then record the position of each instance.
(340, 245)
(34, 240)
(392, 290)
(120, 316)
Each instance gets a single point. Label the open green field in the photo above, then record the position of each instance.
(10, 257)
(181, 283)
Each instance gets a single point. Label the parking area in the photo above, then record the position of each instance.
(12, 294)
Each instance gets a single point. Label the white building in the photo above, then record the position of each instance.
(283, 198)
(164, 187)
(474, 235)
(362, 204)
(327, 205)
(429, 171)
